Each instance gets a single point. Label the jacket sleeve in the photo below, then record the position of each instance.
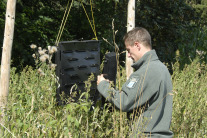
(135, 93)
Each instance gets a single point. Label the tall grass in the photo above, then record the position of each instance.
(32, 110)
(190, 100)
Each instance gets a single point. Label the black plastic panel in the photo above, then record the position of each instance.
(76, 60)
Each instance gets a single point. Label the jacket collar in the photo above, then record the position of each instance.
(148, 57)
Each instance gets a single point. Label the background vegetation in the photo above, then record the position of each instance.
(32, 110)
(179, 35)
(174, 25)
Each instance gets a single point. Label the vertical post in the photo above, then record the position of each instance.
(6, 52)
(130, 26)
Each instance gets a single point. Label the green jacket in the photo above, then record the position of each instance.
(148, 91)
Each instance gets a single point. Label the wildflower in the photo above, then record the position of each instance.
(48, 47)
(41, 72)
(33, 46)
(43, 58)
(42, 52)
(46, 56)
(53, 66)
(52, 49)
(33, 55)
(39, 48)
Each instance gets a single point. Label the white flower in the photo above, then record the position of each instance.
(53, 66)
(43, 58)
(33, 55)
(41, 52)
(39, 48)
(33, 46)
(46, 56)
(49, 47)
(44, 50)
(52, 49)
(41, 72)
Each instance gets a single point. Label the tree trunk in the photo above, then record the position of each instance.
(130, 26)
(6, 52)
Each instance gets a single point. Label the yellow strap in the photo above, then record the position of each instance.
(92, 27)
(64, 20)
(65, 17)
(61, 24)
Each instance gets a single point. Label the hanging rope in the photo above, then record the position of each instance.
(92, 27)
(64, 20)
(65, 17)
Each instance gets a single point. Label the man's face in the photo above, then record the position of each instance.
(133, 52)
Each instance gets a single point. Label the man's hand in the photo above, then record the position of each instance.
(100, 78)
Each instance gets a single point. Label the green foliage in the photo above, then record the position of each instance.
(39, 22)
(32, 110)
(190, 106)
(164, 19)
(191, 45)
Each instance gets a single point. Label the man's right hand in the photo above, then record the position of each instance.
(100, 78)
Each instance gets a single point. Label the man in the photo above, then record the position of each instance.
(147, 92)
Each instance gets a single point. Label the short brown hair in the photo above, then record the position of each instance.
(140, 35)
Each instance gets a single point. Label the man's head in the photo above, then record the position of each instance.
(137, 42)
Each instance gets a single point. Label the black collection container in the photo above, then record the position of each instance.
(76, 61)
(110, 67)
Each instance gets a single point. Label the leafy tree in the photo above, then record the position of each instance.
(165, 21)
(193, 43)
(38, 22)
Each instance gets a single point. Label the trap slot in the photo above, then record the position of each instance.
(95, 49)
(89, 58)
(69, 69)
(82, 67)
(89, 74)
(69, 84)
(94, 65)
(72, 59)
(81, 83)
(74, 77)
(68, 51)
(80, 50)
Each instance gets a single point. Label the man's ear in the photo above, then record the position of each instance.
(137, 44)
